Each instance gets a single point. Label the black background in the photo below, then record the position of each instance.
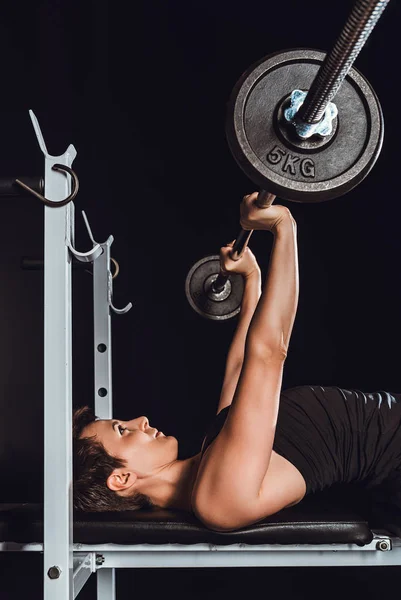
(140, 89)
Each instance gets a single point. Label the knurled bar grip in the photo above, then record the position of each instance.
(359, 25)
(264, 200)
(8, 187)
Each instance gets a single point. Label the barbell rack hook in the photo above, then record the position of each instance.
(54, 203)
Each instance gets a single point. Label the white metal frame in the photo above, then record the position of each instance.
(104, 558)
(59, 231)
(70, 565)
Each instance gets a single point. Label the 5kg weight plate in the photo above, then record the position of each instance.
(268, 149)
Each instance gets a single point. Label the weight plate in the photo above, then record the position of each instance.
(274, 158)
(198, 289)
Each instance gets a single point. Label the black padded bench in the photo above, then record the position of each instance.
(333, 517)
(305, 523)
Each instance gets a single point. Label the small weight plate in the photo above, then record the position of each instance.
(303, 171)
(198, 289)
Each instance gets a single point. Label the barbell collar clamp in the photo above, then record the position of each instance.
(305, 130)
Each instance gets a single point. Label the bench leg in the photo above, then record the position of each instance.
(106, 584)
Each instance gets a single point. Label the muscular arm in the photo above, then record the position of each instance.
(227, 493)
(235, 356)
(272, 323)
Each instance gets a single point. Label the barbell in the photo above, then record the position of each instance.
(292, 141)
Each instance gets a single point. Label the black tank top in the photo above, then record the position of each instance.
(332, 435)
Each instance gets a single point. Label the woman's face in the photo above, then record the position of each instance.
(144, 448)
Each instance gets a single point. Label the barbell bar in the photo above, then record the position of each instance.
(289, 138)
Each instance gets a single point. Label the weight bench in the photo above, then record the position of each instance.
(320, 531)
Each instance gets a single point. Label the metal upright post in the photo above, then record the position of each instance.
(102, 306)
(102, 333)
(59, 227)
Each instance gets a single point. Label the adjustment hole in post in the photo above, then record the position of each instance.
(102, 348)
(102, 392)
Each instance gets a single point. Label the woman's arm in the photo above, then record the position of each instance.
(227, 493)
(272, 323)
(249, 269)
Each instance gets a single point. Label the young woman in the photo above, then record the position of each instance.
(266, 448)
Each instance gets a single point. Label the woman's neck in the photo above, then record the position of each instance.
(172, 487)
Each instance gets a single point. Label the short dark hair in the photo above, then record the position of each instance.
(92, 465)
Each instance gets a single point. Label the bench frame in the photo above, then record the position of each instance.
(103, 559)
(68, 566)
